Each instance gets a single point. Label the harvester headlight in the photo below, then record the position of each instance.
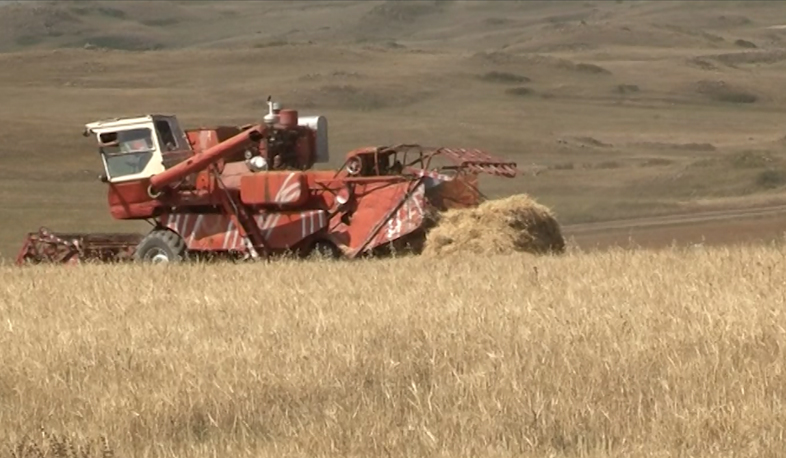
(342, 197)
(257, 163)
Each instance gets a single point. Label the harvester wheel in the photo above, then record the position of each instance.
(159, 246)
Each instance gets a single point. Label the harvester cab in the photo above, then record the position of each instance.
(135, 148)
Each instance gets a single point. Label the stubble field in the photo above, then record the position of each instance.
(672, 353)
(612, 110)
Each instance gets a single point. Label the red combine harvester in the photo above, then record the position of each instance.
(251, 191)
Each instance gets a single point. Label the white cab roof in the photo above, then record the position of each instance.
(122, 122)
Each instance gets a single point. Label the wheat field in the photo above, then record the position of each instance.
(618, 353)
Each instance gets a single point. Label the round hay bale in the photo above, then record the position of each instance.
(513, 224)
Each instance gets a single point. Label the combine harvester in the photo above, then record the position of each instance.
(250, 192)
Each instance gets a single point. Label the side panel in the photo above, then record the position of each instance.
(203, 138)
(450, 191)
(274, 188)
(305, 149)
(172, 158)
(460, 192)
(129, 200)
(378, 210)
(408, 218)
(319, 125)
(217, 232)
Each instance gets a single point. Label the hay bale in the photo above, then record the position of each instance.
(513, 224)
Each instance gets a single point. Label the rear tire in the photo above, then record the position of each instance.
(161, 246)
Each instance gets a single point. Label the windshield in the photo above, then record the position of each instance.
(127, 152)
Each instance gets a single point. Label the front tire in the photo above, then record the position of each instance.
(161, 246)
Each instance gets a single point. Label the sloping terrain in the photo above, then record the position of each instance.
(612, 109)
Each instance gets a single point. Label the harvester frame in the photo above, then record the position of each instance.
(251, 192)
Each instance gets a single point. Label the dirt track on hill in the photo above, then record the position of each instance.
(759, 224)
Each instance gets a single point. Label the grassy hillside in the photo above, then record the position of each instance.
(614, 354)
(611, 109)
